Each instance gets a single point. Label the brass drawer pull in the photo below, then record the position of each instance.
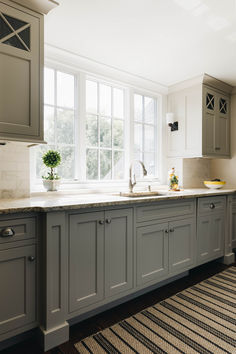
(172, 230)
(101, 222)
(212, 206)
(8, 232)
(108, 221)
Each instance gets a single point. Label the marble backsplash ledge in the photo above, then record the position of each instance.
(14, 171)
(195, 171)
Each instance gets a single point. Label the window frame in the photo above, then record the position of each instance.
(80, 130)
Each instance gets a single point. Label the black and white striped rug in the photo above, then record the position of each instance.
(200, 319)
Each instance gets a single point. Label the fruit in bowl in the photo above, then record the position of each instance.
(214, 183)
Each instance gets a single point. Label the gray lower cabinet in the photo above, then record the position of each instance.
(100, 256)
(234, 228)
(18, 288)
(152, 252)
(118, 251)
(210, 237)
(166, 248)
(182, 244)
(86, 259)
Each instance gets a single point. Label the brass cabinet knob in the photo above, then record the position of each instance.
(212, 206)
(101, 222)
(108, 221)
(172, 230)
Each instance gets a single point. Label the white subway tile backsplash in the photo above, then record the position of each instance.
(14, 171)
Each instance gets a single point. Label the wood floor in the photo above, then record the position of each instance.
(110, 317)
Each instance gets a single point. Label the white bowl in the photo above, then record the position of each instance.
(214, 184)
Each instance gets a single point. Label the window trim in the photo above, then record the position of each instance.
(80, 137)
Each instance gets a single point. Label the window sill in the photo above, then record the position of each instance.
(99, 186)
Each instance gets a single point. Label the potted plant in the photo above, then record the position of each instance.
(51, 159)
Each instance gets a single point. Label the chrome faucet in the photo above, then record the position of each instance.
(132, 184)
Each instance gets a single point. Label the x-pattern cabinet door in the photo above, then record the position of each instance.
(20, 73)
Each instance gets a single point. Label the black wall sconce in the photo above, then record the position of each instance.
(171, 123)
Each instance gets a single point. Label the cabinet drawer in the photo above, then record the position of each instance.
(211, 205)
(17, 230)
(165, 210)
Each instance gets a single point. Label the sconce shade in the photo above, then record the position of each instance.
(170, 118)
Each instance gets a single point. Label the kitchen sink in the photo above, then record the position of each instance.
(140, 194)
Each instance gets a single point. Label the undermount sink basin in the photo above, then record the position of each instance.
(139, 194)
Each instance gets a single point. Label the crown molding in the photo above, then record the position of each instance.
(41, 6)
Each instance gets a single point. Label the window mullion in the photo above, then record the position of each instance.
(81, 126)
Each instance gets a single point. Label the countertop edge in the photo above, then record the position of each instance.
(89, 205)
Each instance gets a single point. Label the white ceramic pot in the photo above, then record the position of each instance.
(51, 185)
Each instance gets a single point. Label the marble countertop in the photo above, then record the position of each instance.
(59, 201)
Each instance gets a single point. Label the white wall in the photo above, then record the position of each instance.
(14, 171)
(226, 169)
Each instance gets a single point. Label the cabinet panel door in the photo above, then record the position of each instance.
(152, 252)
(182, 237)
(234, 229)
(222, 126)
(18, 285)
(118, 251)
(204, 232)
(86, 244)
(209, 121)
(19, 73)
(217, 236)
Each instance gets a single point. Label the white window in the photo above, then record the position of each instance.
(59, 122)
(105, 133)
(145, 132)
(88, 121)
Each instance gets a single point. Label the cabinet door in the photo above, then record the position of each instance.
(182, 237)
(118, 251)
(20, 71)
(86, 244)
(18, 285)
(234, 229)
(152, 253)
(217, 236)
(209, 121)
(222, 126)
(204, 232)
(210, 237)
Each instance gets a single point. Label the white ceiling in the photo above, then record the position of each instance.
(166, 41)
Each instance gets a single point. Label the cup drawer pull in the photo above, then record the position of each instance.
(8, 232)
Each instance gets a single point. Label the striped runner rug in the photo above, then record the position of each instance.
(200, 319)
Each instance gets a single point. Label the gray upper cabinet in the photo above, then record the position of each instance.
(152, 253)
(118, 251)
(18, 289)
(21, 72)
(182, 242)
(216, 139)
(86, 259)
(202, 108)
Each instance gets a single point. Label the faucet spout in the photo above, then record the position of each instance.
(134, 182)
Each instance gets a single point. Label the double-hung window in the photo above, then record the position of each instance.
(89, 122)
(105, 131)
(145, 132)
(60, 117)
